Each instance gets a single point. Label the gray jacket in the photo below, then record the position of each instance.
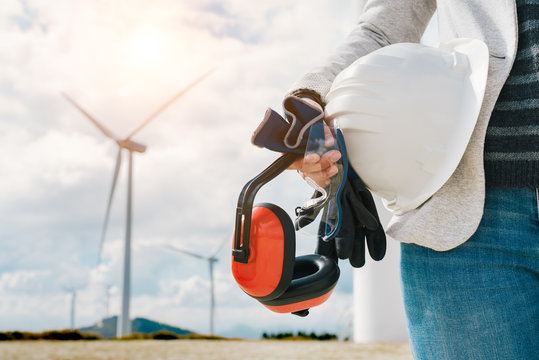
(453, 214)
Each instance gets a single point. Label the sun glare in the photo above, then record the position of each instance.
(147, 46)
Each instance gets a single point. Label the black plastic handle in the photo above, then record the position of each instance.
(244, 210)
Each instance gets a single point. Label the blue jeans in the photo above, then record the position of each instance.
(481, 299)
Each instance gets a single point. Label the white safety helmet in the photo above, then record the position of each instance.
(407, 112)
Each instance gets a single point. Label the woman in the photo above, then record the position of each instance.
(470, 254)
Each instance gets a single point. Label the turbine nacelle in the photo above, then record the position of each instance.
(131, 145)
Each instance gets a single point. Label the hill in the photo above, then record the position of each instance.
(107, 327)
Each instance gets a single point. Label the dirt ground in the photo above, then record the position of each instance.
(201, 350)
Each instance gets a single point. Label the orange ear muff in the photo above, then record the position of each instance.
(264, 263)
(272, 248)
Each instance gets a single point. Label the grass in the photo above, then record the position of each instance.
(201, 350)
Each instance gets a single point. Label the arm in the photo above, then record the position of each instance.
(382, 23)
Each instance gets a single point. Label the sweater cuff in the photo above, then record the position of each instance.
(312, 85)
(309, 93)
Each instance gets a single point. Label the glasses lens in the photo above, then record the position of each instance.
(324, 168)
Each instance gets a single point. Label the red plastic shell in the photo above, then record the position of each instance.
(263, 271)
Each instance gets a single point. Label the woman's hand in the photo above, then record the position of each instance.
(319, 168)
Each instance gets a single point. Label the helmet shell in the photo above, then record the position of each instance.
(407, 112)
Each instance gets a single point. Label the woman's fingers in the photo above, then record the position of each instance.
(323, 178)
(318, 168)
(313, 162)
(329, 140)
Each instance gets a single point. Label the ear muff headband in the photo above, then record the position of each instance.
(242, 229)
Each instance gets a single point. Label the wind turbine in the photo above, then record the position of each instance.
(212, 259)
(73, 292)
(124, 324)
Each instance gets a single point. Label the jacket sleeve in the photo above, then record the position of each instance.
(383, 22)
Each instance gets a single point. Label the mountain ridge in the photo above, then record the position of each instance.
(106, 328)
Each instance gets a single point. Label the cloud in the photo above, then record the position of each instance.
(23, 281)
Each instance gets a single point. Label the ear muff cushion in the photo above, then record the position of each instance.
(272, 247)
(314, 276)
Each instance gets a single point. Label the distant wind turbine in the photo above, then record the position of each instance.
(212, 259)
(124, 325)
(73, 292)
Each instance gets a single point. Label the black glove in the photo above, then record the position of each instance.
(360, 222)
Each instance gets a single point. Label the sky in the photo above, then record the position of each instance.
(121, 60)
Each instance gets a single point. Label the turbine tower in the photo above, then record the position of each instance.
(124, 324)
(212, 259)
(73, 292)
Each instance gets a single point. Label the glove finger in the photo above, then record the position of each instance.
(326, 248)
(357, 259)
(377, 243)
(344, 241)
(376, 239)
(344, 244)
(360, 212)
(368, 201)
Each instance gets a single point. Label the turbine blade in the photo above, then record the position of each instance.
(174, 248)
(109, 204)
(220, 245)
(168, 103)
(103, 129)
